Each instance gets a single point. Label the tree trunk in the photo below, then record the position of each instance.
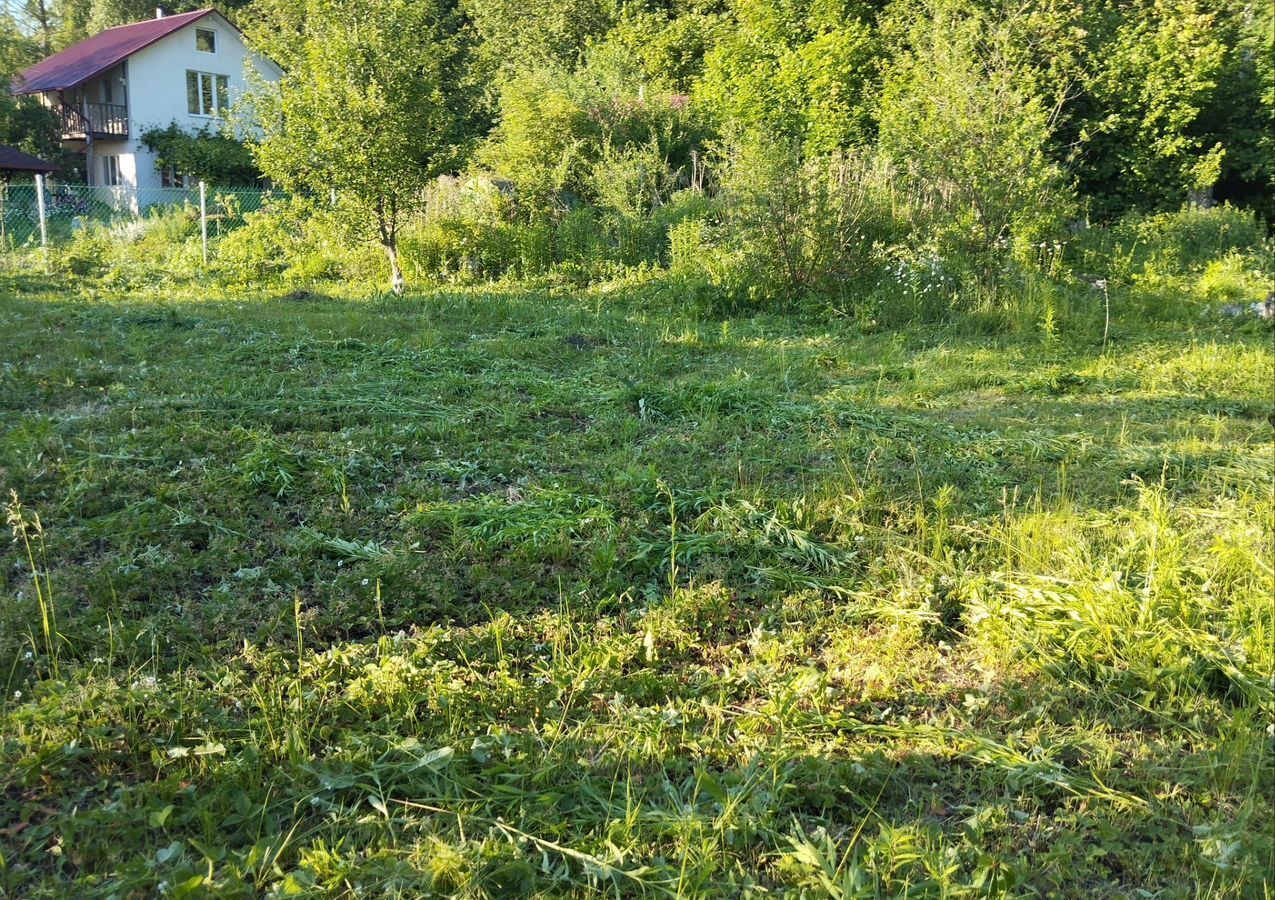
(387, 225)
(396, 272)
(1201, 198)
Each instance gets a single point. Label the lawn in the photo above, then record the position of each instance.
(506, 592)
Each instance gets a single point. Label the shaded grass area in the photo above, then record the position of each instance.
(505, 593)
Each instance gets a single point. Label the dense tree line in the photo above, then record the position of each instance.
(1147, 100)
(988, 123)
(1143, 101)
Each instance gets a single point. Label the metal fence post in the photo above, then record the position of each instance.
(203, 219)
(44, 217)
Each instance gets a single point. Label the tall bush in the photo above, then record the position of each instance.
(961, 121)
(802, 226)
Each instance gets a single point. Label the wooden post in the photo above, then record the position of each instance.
(203, 219)
(90, 160)
(44, 217)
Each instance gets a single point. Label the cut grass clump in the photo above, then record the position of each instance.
(427, 597)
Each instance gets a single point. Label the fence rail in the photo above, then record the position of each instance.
(42, 213)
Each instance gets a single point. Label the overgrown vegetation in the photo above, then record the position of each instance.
(786, 153)
(826, 450)
(204, 155)
(532, 590)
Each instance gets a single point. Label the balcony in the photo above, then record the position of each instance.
(99, 121)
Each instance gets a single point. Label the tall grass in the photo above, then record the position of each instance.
(524, 591)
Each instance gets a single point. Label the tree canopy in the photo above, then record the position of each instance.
(371, 106)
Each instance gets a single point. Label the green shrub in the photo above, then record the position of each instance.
(1232, 279)
(534, 247)
(970, 139)
(1192, 236)
(633, 180)
(461, 250)
(688, 247)
(1162, 266)
(88, 254)
(804, 227)
(269, 242)
(634, 240)
(171, 224)
(317, 266)
(580, 240)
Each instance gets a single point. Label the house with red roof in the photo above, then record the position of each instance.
(112, 87)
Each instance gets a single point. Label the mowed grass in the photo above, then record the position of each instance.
(525, 593)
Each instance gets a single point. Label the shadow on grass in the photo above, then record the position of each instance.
(559, 783)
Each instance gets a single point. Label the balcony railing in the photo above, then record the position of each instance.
(103, 120)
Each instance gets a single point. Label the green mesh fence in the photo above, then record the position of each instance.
(73, 207)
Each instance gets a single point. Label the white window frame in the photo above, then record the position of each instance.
(111, 176)
(211, 31)
(216, 88)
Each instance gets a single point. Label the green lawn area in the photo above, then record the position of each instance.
(503, 593)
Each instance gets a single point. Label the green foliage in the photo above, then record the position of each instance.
(371, 106)
(286, 240)
(582, 244)
(264, 246)
(1193, 237)
(588, 137)
(805, 75)
(25, 123)
(668, 47)
(461, 250)
(633, 180)
(88, 252)
(539, 144)
(31, 127)
(203, 155)
(803, 228)
(1180, 108)
(60, 23)
(519, 36)
(970, 139)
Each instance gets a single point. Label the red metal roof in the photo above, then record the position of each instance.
(93, 56)
(14, 160)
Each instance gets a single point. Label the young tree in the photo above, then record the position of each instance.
(374, 103)
(24, 122)
(960, 114)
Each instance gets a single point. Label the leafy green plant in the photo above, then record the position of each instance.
(204, 155)
(803, 227)
(964, 127)
(394, 132)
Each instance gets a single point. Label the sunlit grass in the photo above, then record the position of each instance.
(503, 593)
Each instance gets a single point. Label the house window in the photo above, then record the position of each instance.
(207, 94)
(171, 178)
(111, 170)
(108, 91)
(206, 40)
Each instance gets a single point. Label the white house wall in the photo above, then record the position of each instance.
(157, 88)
